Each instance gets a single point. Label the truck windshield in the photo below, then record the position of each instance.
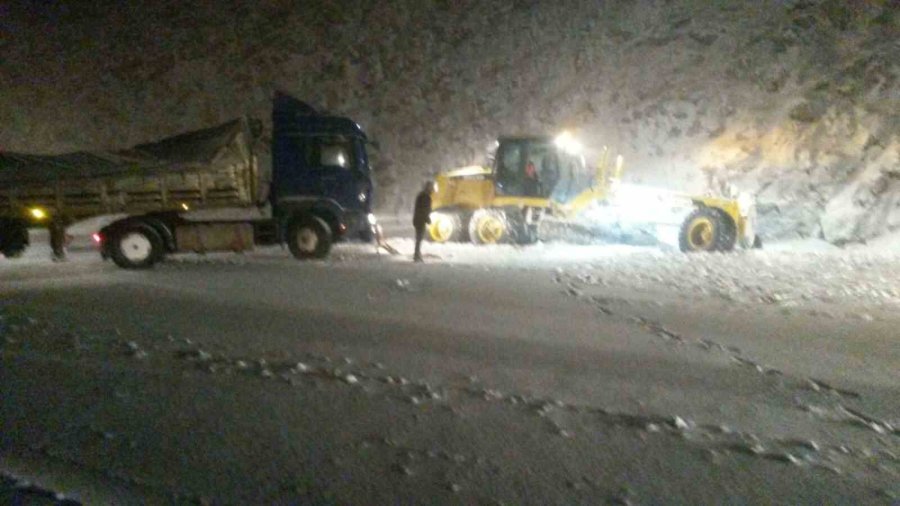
(332, 151)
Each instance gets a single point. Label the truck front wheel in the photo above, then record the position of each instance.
(136, 246)
(14, 250)
(309, 237)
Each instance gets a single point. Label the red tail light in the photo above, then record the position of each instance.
(97, 238)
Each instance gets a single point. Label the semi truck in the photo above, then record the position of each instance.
(216, 189)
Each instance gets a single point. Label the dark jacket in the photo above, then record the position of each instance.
(422, 212)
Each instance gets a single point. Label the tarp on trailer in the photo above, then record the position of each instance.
(212, 168)
(228, 144)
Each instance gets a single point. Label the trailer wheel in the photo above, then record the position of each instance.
(706, 229)
(14, 239)
(136, 246)
(14, 250)
(309, 237)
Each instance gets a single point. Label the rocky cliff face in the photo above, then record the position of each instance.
(797, 101)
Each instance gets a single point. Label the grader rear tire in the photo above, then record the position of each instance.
(520, 232)
(445, 227)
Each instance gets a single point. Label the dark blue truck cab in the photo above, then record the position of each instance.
(321, 188)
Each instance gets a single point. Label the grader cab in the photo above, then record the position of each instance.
(503, 203)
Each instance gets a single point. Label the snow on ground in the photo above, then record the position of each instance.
(786, 273)
(599, 374)
(888, 242)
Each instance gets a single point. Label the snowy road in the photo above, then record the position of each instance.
(546, 375)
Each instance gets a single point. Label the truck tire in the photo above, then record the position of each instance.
(136, 246)
(12, 251)
(13, 238)
(706, 229)
(309, 237)
(489, 226)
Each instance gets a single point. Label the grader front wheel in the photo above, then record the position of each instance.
(707, 229)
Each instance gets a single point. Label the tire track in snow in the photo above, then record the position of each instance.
(560, 417)
(841, 412)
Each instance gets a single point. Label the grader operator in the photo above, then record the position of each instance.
(536, 180)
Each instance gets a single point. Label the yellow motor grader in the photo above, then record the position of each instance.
(537, 179)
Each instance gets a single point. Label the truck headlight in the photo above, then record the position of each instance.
(371, 218)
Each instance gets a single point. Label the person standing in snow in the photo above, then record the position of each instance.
(58, 238)
(422, 217)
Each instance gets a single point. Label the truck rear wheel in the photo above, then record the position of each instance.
(309, 237)
(136, 246)
(14, 250)
(706, 229)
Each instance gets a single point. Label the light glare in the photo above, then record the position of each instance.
(566, 142)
